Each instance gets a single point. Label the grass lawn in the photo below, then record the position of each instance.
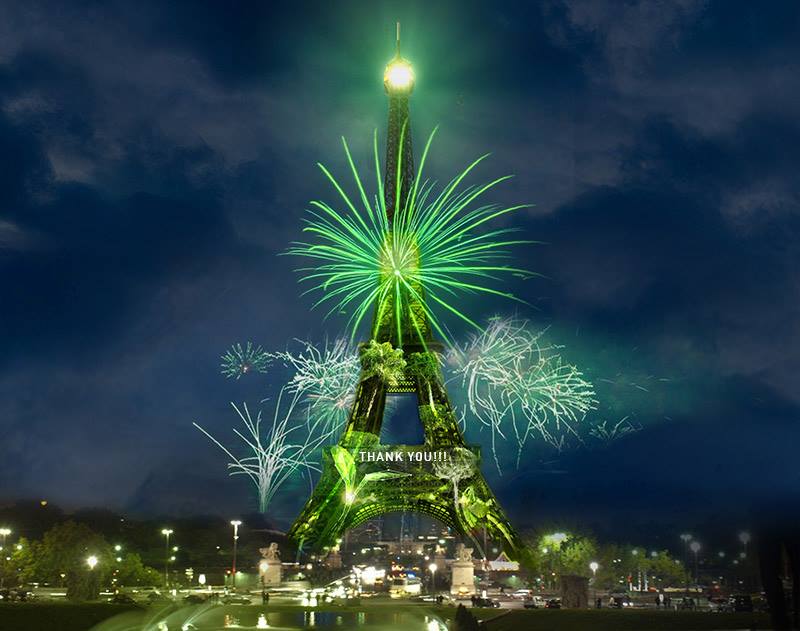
(56, 616)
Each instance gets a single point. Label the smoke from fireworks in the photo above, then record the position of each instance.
(518, 387)
(238, 361)
(434, 241)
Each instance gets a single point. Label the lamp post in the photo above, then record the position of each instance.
(635, 553)
(433, 567)
(4, 532)
(593, 567)
(235, 523)
(695, 547)
(686, 538)
(166, 532)
(744, 537)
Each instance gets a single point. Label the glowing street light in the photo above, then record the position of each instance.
(557, 538)
(593, 566)
(4, 532)
(695, 548)
(91, 562)
(166, 532)
(235, 523)
(745, 538)
(433, 567)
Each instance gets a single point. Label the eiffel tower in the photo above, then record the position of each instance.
(363, 478)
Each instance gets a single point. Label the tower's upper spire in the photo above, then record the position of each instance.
(397, 48)
(398, 78)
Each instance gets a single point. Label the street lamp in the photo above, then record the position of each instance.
(744, 537)
(593, 567)
(166, 532)
(695, 547)
(235, 523)
(4, 532)
(433, 567)
(91, 562)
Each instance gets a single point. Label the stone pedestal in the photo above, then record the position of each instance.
(462, 572)
(270, 573)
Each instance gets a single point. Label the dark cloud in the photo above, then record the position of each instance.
(156, 158)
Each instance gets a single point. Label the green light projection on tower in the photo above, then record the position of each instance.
(429, 248)
(410, 245)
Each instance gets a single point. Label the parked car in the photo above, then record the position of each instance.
(553, 603)
(741, 603)
(523, 594)
(122, 599)
(485, 602)
(687, 604)
(535, 602)
(619, 601)
(237, 599)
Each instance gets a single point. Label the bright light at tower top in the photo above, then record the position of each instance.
(399, 75)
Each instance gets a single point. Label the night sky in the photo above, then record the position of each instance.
(156, 157)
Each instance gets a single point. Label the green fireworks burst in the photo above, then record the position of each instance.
(240, 360)
(433, 250)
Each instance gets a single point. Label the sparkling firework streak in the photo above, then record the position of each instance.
(518, 387)
(326, 378)
(434, 242)
(286, 446)
(238, 361)
(606, 433)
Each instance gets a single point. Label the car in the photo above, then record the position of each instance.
(553, 603)
(194, 599)
(122, 599)
(619, 601)
(740, 603)
(485, 602)
(534, 602)
(523, 594)
(687, 604)
(237, 599)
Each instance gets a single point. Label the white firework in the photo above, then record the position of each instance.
(326, 378)
(519, 387)
(273, 452)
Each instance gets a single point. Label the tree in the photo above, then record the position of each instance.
(459, 466)
(576, 554)
(383, 363)
(665, 571)
(63, 557)
(17, 563)
(131, 571)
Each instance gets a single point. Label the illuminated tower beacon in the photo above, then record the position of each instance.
(363, 478)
